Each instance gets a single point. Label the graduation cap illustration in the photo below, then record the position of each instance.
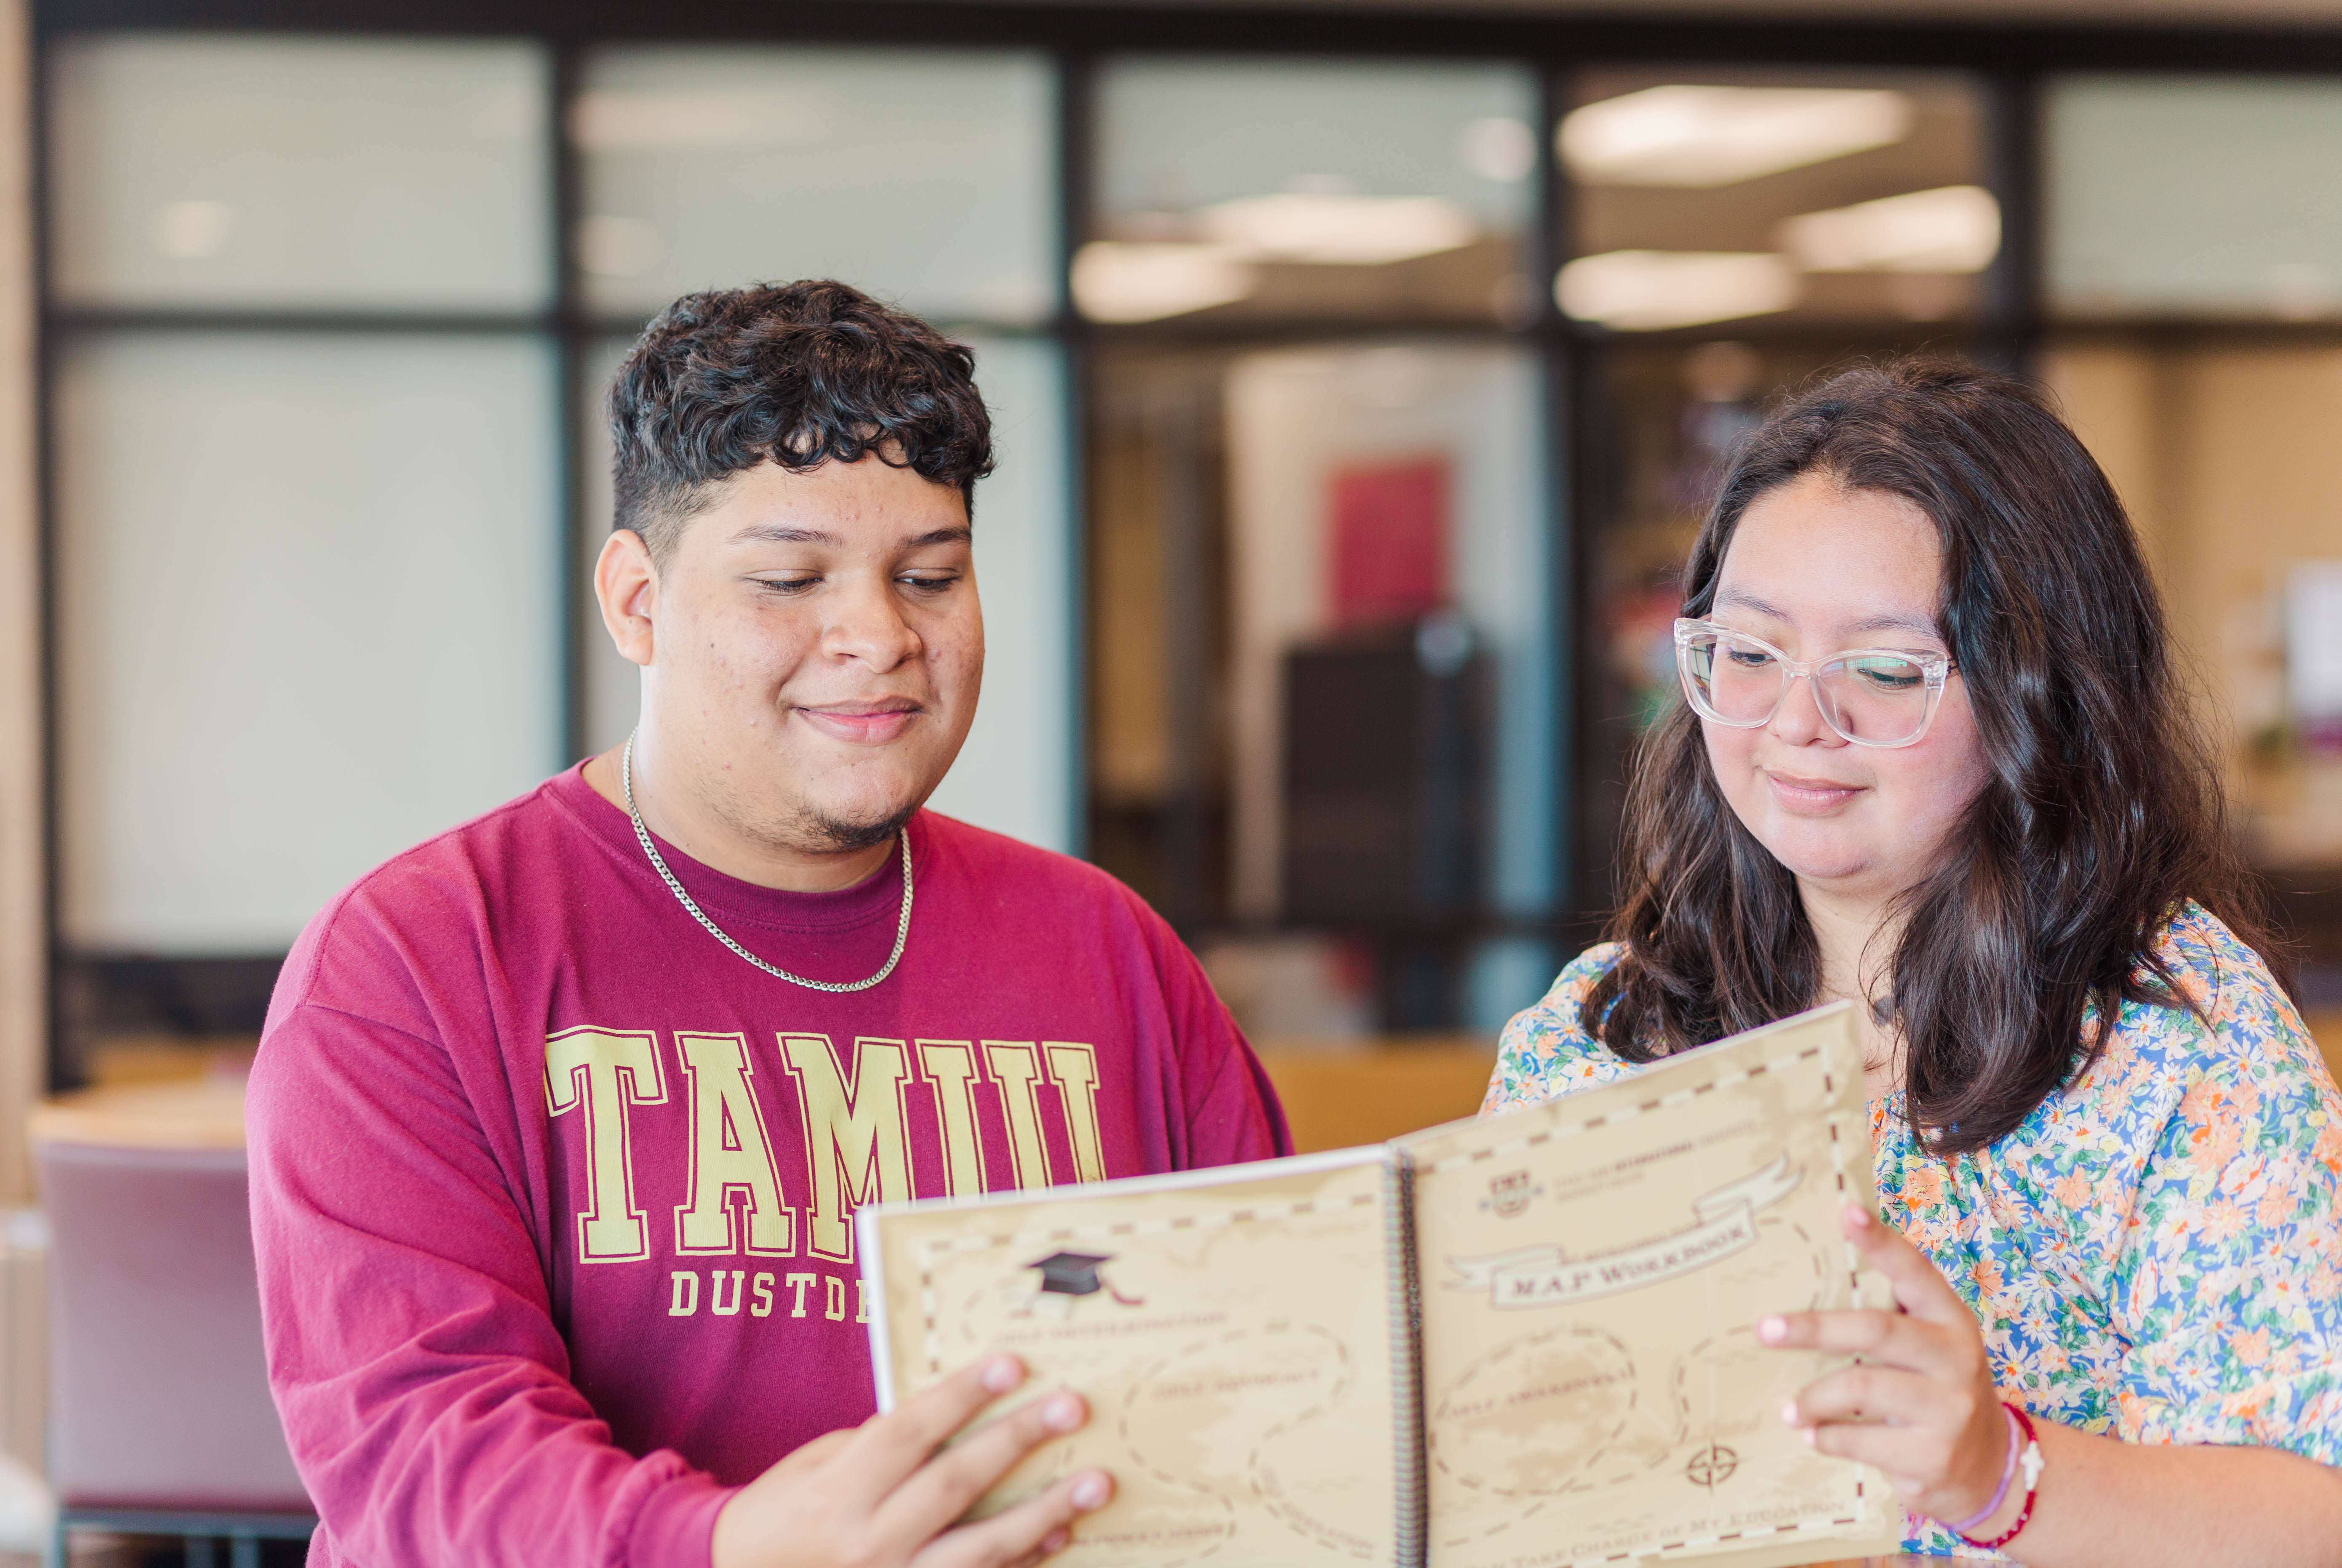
(1071, 1274)
(1067, 1275)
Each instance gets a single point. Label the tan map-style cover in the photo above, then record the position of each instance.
(1592, 1270)
(1240, 1334)
(1585, 1386)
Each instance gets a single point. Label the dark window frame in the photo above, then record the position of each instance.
(2009, 61)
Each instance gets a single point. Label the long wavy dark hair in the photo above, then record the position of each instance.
(2103, 810)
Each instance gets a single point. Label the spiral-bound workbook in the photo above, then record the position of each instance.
(1521, 1341)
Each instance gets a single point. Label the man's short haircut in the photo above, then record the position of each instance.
(797, 374)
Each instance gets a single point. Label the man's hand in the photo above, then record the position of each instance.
(1920, 1406)
(881, 1496)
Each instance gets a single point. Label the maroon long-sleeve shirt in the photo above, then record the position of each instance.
(552, 1193)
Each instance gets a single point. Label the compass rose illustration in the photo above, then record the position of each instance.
(1711, 1467)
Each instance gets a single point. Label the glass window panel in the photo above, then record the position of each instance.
(2201, 195)
(1705, 197)
(306, 618)
(1322, 671)
(1016, 774)
(1320, 437)
(611, 685)
(278, 171)
(1233, 189)
(924, 177)
(2223, 453)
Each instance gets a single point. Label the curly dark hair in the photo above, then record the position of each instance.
(2101, 815)
(797, 374)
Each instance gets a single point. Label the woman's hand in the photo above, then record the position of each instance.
(1920, 1407)
(879, 1495)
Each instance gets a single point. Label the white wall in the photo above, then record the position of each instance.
(306, 618)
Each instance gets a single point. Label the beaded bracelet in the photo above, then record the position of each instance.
(2032, 1466)
(1999, 1493)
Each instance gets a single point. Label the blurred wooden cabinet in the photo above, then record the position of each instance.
(1337, 1098)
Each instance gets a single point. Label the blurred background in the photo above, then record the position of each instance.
(1361, 373)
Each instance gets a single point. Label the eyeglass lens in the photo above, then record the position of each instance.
(1878, 698)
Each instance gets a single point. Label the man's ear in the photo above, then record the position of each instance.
(626, 582)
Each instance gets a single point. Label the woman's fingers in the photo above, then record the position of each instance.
(1917, 1405)
(1889, 1338)
(886, 1449)
(1913, 1459)
(1025, 1534)
(1875, 1393)
(1919, 1286)
(942, 1489)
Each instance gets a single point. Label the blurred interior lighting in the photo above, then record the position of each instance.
(1497, 148)
(2299, 291)
(190, 231)
(611, 246)
(1123, 280)
(1328, 228)
(1647, 291)
(1705, 136)
(619, 122)
(1954, 228)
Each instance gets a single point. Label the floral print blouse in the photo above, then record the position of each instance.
(2156, 1253)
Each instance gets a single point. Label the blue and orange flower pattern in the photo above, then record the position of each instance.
(2155, 1253)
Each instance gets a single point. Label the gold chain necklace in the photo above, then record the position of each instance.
(642, 833)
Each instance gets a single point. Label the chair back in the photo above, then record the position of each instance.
(158, 1385)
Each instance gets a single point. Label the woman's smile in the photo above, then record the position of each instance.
(1809, 796)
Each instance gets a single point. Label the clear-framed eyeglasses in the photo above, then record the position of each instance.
(1870, 696)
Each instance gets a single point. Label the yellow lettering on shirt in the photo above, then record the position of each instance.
(1075, 1069)
(1016, 1067)
(730, 1154)
(604, 1071)
(950, 1066)
(855, 1137)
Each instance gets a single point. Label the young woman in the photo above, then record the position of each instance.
(1934, 758)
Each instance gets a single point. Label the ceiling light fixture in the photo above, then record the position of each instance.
(191, 230)
(1336, 229)
(609, 245)
(611, 121)
(1647, 290)
(1125, 280)
(1954, 228)
(1707, 137)
(1497, 148)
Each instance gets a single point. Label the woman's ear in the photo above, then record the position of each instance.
(625, 582)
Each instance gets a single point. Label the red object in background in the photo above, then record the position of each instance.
(1389, 541)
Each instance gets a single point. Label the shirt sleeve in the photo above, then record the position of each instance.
(412, 1349)
(1233, 1114)
(2229, 1284)
(1546, 1050)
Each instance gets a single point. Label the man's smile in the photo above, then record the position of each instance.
(865, 723)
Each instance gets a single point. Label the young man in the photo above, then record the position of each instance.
(560, 1118)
